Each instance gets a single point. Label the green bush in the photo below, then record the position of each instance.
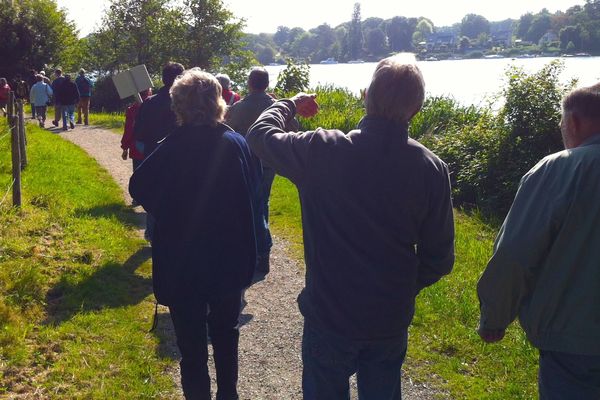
(293, 78)
(105, 97)
(440, 114)
(489, 153)
(338, 109)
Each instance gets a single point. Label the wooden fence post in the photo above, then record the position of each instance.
(22, 137)
(16, 151)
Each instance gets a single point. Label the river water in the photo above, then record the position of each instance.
(468, 81)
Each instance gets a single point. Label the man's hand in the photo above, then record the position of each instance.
(124, 154)
(491, 335)
(306, 106)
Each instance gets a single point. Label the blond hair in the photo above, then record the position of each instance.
(397, 89)
(196, 98)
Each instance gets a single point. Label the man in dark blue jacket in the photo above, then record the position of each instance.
(378, 227)
(154, 121)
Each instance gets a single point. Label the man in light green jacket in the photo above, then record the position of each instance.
(546, 262)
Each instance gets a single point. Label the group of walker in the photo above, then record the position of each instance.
(65, 94)
(378, 228)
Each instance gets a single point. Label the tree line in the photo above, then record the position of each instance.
(36, 34)
(575, 30)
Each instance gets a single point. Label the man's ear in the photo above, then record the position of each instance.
(577, 122)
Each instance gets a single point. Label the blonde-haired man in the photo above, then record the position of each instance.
(378, 228)
(546, 262)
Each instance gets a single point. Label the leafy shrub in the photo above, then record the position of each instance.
(105, 97)
(293, 78)
(440, 114)
(488, 154)
(338, 109)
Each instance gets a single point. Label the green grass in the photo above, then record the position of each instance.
(112, 121)
(75, 287)
(444, 348)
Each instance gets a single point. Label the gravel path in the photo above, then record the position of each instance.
(270, 364)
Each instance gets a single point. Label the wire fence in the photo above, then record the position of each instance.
(7, 192)
(16, 131)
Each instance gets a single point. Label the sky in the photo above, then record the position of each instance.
(267, 15)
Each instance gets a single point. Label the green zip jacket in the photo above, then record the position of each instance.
(546, 262)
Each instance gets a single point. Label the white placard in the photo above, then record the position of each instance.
(132, 81)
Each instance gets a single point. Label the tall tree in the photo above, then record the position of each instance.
(325, 38)
(282, 36)
(524, 24)
(540, 24)
(355, 34)
(35, 33)
(400, 31)
(473, 25)
(214, 32)
(375, 42)
(137, 32)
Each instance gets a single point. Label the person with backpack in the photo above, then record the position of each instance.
(39, 96)
(84, 85)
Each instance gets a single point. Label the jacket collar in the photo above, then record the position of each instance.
(594, 139)
(377, 124)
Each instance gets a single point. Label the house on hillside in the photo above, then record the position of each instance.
(501, 38)
(442, 40)
(548, 38)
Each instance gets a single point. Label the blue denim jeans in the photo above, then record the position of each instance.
(190, 321)
(565, 376)
(68, 114)
(329, 361)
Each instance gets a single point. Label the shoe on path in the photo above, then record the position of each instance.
(55, 123)
(72, 125)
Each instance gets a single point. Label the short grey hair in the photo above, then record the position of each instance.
(397, 89)
(196, 98)
(584, 102)
(224, 80)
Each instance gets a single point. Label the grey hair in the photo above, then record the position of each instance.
(196, 98)
(224, 80)
(584, 102)
(397, 89)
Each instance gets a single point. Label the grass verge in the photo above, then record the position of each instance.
(75, 287)
(444, 350)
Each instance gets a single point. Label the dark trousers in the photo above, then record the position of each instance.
(330, 360)
(565, 376)
(190, 322)
(264, 241)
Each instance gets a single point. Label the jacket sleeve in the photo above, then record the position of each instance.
(127, 141)
(285, 152)
(519, 251)
(147, 180)
(435, 248)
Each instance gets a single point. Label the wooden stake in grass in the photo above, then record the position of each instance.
(22, 137)
(15, 149)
